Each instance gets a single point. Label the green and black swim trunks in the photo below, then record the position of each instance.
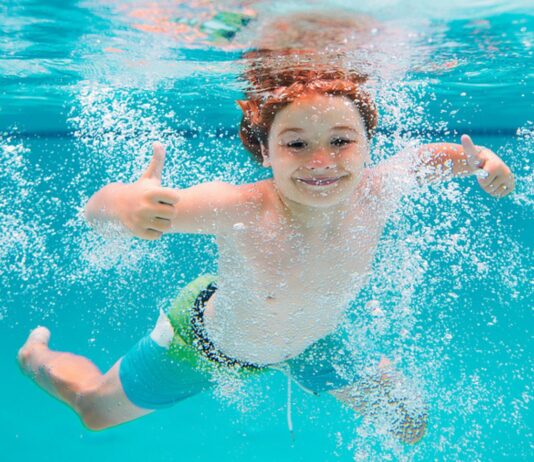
(155, 376)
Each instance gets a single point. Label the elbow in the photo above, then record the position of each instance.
(91, 208)
(102, 202)
(87, 212)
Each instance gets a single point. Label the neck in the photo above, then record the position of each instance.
(317, 218)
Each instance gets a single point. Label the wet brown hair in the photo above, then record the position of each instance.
(271, 90)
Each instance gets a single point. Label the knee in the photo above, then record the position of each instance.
(94, 424)
(95, 420)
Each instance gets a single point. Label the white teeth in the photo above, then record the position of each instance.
(319, 181)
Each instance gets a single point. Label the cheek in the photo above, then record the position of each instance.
(355, 160)
(364, 155)
(281, 168)
(283, 164)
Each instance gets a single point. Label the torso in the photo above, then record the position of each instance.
(281, 287)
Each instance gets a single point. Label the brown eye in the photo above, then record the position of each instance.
(297, 145)
(340, 142)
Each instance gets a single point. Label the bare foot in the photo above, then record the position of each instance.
(390, 401)
(408, 411)
(62, 374)
(34, 359)
(27, 355)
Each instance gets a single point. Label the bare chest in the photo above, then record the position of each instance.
(282, 289)
(286, 262)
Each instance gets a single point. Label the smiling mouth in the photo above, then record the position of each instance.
(320, 181)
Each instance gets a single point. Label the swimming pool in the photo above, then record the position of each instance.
(87, 87)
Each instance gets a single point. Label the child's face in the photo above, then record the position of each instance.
(317, 148)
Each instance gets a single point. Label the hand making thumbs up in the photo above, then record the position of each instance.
(155, 168)
(494, 176)
(145, 207)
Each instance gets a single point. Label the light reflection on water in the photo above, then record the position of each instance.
(49, 50)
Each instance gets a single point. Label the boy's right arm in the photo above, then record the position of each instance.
(147, 210)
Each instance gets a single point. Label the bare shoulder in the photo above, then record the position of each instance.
(401, 163)
(245, 202)
(264, 190)
(267, 196)
(395, 176)
(371, 182)
(244, 196)
(254, 192)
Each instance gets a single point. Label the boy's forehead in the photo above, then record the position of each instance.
(319, 110)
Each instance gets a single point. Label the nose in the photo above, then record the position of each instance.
(321, 160)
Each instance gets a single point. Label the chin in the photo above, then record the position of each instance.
(323, 199)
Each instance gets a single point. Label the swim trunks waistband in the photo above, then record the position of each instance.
(202, 341)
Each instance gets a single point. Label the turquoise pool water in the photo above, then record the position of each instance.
(86, 88)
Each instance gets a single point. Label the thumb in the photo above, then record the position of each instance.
(474, 159)
(156, 164)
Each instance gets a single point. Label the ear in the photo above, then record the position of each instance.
(243, 104)
(265, 154)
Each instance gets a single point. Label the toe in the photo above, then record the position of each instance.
(39, 335)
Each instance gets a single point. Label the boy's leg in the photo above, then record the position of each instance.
(97, 398)
(385, 392)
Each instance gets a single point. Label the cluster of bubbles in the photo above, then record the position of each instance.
(22, 245)
(448, 270)
(116, 128)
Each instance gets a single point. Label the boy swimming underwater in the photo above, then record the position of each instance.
(294, 250)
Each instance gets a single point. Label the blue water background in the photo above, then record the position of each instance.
(468, 281)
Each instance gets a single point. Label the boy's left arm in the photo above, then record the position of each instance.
(437, 160)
